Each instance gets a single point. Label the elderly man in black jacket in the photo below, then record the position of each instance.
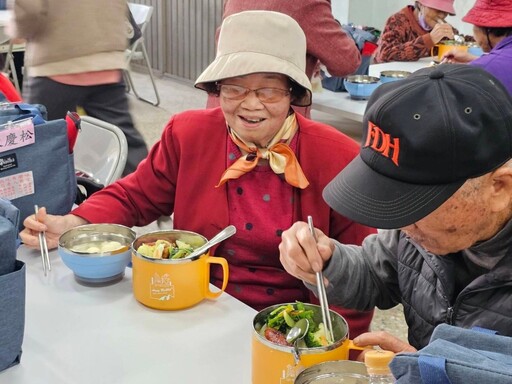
(435, 170)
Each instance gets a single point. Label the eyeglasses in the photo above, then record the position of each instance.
(265, 95)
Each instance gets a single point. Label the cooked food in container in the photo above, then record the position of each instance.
(98, 247)
(97, 253)
(273, 362)
(281, 320)
(163, 249)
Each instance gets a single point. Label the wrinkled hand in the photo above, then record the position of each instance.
(384, 340)
(300, 255)
(54, 226)
(457, 56)
(440, 31)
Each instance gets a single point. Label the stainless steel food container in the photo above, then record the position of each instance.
(334, 372)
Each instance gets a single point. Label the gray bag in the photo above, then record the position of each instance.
(12, 289)
(41, 172)
(457, 356)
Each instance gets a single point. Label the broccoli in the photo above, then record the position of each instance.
(316, 338)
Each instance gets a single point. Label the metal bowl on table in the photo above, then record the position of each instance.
(387, 76)
(98, 254)
(360, 87)
(334, 372)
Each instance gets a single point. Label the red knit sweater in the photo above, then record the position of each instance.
(403, 39)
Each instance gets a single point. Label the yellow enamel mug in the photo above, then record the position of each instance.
(171, 284)
(438, 50)
(276, 364)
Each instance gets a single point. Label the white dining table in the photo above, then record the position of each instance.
(341, 105)
(76, 334)
(5, 16)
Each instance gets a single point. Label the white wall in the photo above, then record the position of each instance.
(375, 12)
(340, 10)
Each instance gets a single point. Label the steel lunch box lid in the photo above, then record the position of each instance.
(334, 372)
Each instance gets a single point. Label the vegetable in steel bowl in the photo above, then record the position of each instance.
(163, 249)
(279, 322)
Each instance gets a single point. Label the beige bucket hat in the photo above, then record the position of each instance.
(259, 41)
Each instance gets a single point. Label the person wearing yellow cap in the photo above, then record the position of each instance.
(252, 162)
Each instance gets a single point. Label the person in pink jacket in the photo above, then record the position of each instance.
(326, 42)
(252, 163)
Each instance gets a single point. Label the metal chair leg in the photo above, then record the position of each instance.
(10, 68)
(130, 83)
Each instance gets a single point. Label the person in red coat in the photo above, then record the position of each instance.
(253, 163)
(326, 42)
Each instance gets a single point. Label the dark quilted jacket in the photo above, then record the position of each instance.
(389, 269)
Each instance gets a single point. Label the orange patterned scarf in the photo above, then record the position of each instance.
(278, 153)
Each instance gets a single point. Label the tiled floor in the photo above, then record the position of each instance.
(176, 96)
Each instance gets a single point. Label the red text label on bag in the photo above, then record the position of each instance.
(16, 186)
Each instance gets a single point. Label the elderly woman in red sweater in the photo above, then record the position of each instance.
(253, 163)
(411, 33)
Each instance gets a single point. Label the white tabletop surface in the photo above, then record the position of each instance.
(340, 104)
(101, 335)
(411, 66)
(5, 16)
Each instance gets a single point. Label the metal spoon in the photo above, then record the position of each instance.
(295, 334)
(229, 231)
(298, 331)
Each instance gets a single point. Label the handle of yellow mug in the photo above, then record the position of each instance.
(225, 276)
(436, 54)
(351, 346)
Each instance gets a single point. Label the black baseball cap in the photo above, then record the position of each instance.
(423, 137)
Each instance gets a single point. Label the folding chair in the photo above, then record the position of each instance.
(100, 151)
(9, 69)
(137, 51)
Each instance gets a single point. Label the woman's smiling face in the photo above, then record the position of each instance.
(253, 120)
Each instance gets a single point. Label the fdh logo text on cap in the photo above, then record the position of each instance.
(382, 142)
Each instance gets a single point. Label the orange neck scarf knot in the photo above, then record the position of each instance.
(280, 156)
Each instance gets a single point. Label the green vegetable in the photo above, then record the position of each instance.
(289, 321)
(317, 338)
(276, 318)
(181, 250)
(285, 316)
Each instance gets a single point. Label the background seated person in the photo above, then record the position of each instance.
(492, 29)
(411, 33)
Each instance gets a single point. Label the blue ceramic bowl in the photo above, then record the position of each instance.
(97, 253)
(387, 76)
(475, 50)
(360, 87)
